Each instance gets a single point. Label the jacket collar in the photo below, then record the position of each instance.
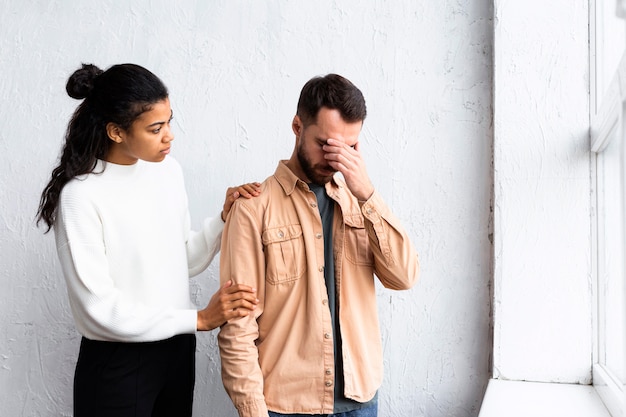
(288, 180)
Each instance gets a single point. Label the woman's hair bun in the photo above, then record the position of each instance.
(81, 82)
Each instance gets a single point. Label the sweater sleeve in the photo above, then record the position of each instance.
(203, 245)
(101, 310)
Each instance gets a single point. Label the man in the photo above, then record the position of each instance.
(310, 244)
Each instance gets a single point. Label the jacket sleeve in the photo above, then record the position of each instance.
(242, 261)
(396, 263)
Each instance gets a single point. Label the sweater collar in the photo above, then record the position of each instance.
(117, 171)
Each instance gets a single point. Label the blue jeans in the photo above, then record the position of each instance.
(371, 411)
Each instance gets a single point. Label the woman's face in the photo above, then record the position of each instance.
(148, 138)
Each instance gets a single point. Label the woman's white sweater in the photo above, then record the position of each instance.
(126, 249)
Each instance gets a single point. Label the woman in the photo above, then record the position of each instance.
(118, 207)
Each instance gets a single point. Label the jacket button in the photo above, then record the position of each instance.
(328, 372)
(326, 335)
(329, 383)
(318, 235)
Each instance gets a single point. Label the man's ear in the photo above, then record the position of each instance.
(114, 132)
(297, 126)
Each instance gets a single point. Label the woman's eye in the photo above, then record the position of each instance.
(155, 131)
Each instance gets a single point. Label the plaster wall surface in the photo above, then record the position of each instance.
(234, 70)
(542, 218)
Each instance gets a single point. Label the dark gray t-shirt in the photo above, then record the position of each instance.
(326, 207)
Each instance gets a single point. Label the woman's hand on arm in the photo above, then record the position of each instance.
(249, 190)
(231, 301)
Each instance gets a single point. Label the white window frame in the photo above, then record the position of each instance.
(608, 107)
(607, 126)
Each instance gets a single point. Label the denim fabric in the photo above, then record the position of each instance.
(371, 411)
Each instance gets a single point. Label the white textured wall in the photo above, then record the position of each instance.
(235, 70)
(542, 190)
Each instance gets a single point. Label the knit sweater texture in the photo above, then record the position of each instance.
(126, 250)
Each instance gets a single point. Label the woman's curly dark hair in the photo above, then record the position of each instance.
(118, 95)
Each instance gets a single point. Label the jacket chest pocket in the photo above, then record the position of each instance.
(356, 241)
(284, 254)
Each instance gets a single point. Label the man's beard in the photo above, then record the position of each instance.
(309, 170)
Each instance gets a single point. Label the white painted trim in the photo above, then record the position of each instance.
(595, 245)
(620, 8)
(607, 118)
(610, 110)
(596, 250)
(606, 125)
(610, 390)
(536, 399)
(593, 60)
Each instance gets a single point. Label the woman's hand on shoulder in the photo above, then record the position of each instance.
(249, 190)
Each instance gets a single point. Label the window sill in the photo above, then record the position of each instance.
(537, 399)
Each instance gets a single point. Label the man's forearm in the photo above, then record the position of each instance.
(396, 261)
(241, 373)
